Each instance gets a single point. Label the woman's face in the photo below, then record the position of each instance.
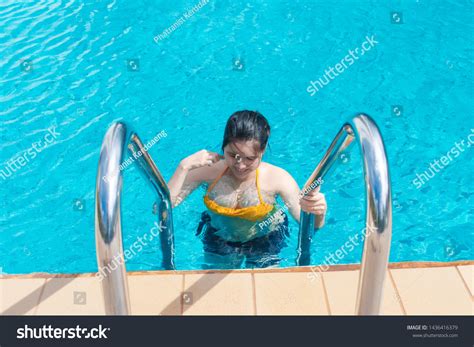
(242, 157)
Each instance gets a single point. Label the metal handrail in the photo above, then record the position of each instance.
(165, 207)
(108, 226)
(378, 231)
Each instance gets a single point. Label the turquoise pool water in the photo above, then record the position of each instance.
(74, 67)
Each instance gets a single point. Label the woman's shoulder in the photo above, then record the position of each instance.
(273, 176)
(270, 169)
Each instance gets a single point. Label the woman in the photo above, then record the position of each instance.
(243, 221)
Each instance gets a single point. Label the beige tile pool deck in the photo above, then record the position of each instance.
(418, 288)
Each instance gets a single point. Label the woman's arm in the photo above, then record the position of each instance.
(181, 185)
(314, 202)
(189, 174)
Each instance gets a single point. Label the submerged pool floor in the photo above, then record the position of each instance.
(73, 68)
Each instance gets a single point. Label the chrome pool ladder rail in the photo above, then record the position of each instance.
(378, 224)
(108, 224)
(165, 207)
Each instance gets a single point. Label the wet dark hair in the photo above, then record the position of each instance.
(247, 125)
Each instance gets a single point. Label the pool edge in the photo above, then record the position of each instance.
(342, 267)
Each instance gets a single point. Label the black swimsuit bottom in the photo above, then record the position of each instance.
(261, 251)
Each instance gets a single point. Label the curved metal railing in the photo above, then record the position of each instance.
(108, 226)
(378, 231)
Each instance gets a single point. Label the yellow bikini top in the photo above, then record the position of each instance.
(251, 213)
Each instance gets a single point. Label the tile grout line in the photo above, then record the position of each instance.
(40, 296)
(254, 290)
(181, 295)
(397, 291)
(464, 282)
(326, 297)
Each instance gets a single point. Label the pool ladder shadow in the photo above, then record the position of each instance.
(108, 230)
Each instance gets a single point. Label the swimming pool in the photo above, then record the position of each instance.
(75, 67)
